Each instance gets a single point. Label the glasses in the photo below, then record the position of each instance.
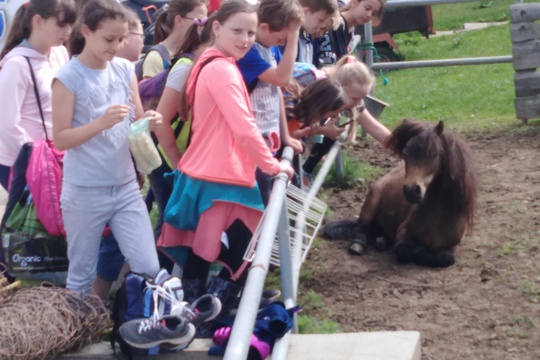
(138, 34)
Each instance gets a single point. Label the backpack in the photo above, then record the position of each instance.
(135, 300)
(162, 50)
(151, 89)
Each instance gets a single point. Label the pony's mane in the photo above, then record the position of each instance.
(458, 173)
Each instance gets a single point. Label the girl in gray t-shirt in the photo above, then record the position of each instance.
(95, 97)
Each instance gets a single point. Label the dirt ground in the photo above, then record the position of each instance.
(486, 306)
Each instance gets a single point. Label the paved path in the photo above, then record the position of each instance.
(469, 27)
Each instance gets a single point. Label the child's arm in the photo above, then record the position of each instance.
(286, 138)
(65, 137)
(372, 126)
(168, 108)
(282, 74)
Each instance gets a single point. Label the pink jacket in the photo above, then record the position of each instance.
(226, 143)
(20, 121)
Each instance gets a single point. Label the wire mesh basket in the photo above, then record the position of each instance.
(304, 222)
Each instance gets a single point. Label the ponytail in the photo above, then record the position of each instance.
(63, 10)
(165, 21)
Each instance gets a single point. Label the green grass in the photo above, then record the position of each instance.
(473, 97)
(453, 16)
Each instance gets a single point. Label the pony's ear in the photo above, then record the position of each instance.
(439, 128)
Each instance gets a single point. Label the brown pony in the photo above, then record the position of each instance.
(423, 206)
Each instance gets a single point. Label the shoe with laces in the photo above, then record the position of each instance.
(147, 333)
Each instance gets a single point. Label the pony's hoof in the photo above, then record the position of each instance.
(356, 249)
(380, 244)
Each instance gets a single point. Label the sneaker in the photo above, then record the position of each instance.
(147, 333)
(203, 309)
(206, 308)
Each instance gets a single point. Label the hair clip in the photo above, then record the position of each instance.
(350, 60)
(200, 22)
(25, 5)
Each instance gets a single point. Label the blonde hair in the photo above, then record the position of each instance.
(354, 75)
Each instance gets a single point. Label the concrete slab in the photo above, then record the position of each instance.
(396, 345)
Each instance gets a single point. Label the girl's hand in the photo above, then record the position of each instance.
(114, 115)
(155, 119)
(295, 144)
(331, 130)
(287, 169)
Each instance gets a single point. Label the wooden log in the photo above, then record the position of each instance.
(524, 32)
(526, 55)
(527, 83)
(528, 107)
(524, 13)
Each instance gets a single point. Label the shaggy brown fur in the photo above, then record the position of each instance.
(423, 206)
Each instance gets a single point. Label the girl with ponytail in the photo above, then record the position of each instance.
(35, 39)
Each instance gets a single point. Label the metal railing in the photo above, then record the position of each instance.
(276, 221)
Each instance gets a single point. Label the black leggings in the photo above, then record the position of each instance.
(239, 237)
(316, 154)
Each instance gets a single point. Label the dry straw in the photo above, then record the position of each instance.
(43, 322)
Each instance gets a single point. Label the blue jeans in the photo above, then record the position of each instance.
(110, 260)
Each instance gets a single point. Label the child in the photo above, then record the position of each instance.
(357, 80)
(39, 29)
(317, 13)
(134, 42)
(279, 21)
(170, 31)
(94, 97)
(333, 45)
(168, 106)
(214, 184)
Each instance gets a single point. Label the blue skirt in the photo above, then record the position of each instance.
(191, 197)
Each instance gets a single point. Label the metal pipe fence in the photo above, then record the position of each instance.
(276, 221)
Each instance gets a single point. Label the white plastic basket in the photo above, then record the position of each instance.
(300, 240)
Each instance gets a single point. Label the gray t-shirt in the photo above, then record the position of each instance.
(104, 160)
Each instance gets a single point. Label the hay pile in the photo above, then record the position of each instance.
(43, 322)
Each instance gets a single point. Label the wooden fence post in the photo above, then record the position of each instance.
(525, 34)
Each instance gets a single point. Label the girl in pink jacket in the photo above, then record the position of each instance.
(39, 29)
(214, 183)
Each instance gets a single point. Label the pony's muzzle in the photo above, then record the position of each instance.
(412, 193)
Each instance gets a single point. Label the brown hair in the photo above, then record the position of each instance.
(227, 9)
(318, 98)
(132, 19)
(63, 10)
(377, 17)
(165, 21)
(193, 39)
(92, 15)
(329, 6)
(278, 14)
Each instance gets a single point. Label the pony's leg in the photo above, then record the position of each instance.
(365, 221)
(407, 250)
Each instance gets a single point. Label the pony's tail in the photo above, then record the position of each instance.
(344, 229)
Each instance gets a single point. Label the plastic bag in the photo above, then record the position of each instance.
(142, 146)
